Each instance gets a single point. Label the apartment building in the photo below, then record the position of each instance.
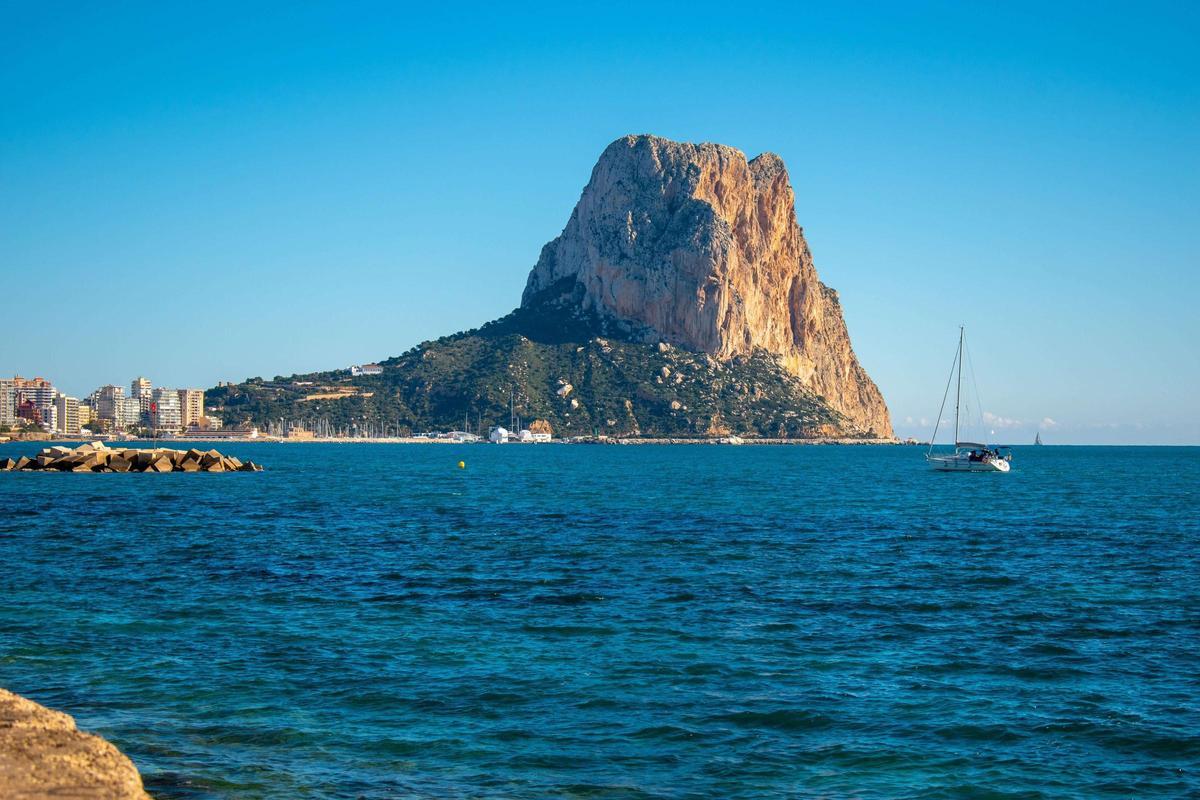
(191, 406)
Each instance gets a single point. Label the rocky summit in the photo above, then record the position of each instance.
(680, 300)
(697, 246)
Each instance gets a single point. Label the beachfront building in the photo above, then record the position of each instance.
(8, 403)
(29, 412)
(191, 406)
(165, 416)
(67, 415)
(131, 412)
(213, 434)
(142, 390)
(38, 391)
(106, 402)
(86, 417)
(498, 435)
(110, 404)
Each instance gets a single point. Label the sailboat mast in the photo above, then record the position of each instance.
(958, 385)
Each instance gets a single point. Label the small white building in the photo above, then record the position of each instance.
(498, 435)
(366, 369)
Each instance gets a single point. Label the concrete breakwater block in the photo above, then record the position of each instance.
(98, 457)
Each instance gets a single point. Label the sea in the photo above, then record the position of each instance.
(570, 621)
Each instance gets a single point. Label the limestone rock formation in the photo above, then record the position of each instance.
(42, 754)
(694, 245)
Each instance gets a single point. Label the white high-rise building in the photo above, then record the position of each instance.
(50, 418)
(38, 391)
(130, 412)
(142, 390)
(108, 401)
(8, 402)
(165, 414)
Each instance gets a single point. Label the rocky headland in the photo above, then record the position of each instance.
(680, 300)
(43, 755)
(695, 245)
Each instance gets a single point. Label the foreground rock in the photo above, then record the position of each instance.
(97, 457)
(696, 246)
(43, 755)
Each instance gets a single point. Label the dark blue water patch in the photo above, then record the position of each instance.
(684, 622)
(782, 719)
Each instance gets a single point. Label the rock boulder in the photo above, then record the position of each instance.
(43, 755)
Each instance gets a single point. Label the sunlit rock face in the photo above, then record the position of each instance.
(695, 245)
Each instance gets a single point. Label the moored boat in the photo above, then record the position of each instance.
(967, 456)
(972, 457)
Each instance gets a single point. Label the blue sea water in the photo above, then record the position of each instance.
(619, 622)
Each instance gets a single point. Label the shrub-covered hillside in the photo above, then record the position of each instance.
(553, 366)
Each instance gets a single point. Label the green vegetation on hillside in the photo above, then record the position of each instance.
(554, 366)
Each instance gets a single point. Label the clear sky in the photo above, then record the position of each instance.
(204, 192)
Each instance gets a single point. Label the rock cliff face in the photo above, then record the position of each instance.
(694, 245)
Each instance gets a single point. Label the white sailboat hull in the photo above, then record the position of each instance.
(963, 463)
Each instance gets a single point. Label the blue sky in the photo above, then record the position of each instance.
(212, 192)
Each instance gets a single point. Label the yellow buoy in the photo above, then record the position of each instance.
(462, 465)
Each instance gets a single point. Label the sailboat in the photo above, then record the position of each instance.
(1037, 438)
(967, 456)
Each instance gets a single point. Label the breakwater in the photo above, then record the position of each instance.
(97, 457)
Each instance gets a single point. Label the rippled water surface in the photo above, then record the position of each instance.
(619, 622)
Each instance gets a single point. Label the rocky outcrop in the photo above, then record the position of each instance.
(694, 245)
(43, 755)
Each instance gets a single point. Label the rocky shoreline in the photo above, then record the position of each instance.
(43, 754)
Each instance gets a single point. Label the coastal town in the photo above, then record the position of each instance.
(34, 409)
